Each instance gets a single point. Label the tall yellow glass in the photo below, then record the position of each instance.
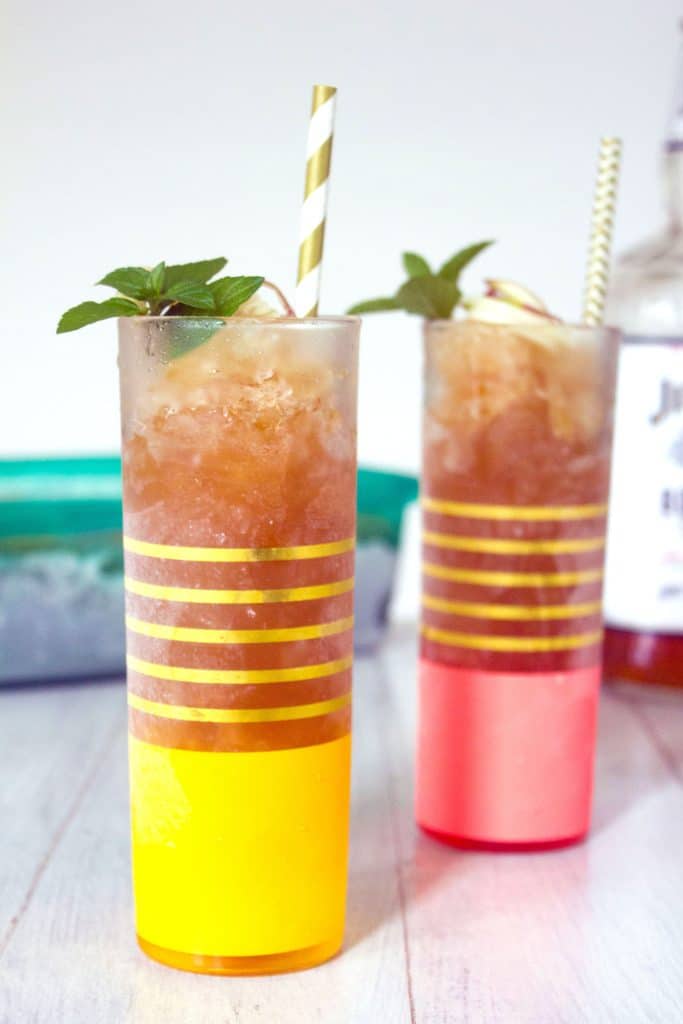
(239, 470)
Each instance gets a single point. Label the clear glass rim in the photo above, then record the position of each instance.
(572, 326)
(312, 321)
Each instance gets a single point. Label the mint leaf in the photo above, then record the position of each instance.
(188, 293)
(230, 292)
(157, 278)
(453, 267)
(432, 297)
(194, 334)
(199, 272)
(133, 281)
(179, 290)
(91, 312)
(374, 306)
(415, 265)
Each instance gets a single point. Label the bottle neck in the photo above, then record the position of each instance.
(673, 150)
(673, 185)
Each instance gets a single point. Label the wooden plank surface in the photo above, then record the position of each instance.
(592, 933)
(51, 740)
(73, 958)
(434, 936)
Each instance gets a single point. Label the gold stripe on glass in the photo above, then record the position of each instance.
(196, 595)
(237, 676)
(533, 513)
(286, 634)
(182, 553)
(181, 713)
(511, 643)
(524, 613)
(504, 546)
(511, 579)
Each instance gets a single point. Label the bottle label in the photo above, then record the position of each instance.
(644, 574)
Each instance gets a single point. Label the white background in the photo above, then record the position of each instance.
(134, 132)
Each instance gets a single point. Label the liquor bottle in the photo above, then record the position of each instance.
(644, 575)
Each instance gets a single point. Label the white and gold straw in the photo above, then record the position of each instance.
(602, 223)
(312, 236)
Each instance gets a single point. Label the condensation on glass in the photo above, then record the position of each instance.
(516, 460)
(239, 473)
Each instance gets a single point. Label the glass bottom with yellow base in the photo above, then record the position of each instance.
(241, 857)
(273, 963)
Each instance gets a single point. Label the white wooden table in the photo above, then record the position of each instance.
(592, 934)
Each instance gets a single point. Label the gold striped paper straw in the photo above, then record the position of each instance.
(312, 234)
(602, 223)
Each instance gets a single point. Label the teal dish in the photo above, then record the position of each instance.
(61, 565)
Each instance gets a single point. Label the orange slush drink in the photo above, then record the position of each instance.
(239, 467)
(517, 446)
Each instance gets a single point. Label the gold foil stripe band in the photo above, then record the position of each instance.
(318, 168)
(238, 676)
(321, 94)
(511, 643)
(311, 249)
(181, 553)
(287, 634)
(182, 713)
(511, 579)
(522, 613)
(192, 595)
(500, 546)
(533, 513)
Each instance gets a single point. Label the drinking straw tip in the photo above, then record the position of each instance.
(314, 211)
(322, 93)
(602, 223)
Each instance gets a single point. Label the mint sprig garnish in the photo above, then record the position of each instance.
(91, 312)
(428, 293)
(415, 265)
(199, 272)
(183, 289)
(192, 296)
(229, 293)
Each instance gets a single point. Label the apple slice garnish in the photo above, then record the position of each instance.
(509, 304)
(515, 294)
(496, 311)
(506, 302)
